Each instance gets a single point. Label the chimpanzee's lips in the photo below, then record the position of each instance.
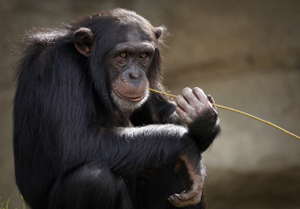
(130, 99)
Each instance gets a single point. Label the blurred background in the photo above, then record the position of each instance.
(246, 54)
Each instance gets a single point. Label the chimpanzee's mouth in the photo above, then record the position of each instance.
(130, 99)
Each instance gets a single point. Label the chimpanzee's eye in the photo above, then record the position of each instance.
(143, 55)
(123, 55)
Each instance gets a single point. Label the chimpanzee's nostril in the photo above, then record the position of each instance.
(135, 75)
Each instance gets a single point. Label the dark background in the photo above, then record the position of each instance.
(245, 53)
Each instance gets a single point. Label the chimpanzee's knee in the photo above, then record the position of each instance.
(89, 186)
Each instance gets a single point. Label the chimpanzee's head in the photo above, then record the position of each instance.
(130, 61)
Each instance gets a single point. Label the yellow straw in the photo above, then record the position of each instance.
(238, 111)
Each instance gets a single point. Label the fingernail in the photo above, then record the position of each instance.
(171, 198)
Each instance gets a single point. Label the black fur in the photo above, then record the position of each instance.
(73, 148)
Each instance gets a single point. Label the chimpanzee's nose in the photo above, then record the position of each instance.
(134, 74)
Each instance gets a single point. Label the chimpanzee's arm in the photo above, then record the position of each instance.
(193, 110)
(127, 150)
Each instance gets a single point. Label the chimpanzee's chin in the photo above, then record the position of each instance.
(126, 105)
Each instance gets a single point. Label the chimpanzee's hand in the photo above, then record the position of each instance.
(196, 109)
(194, 104)
(193, 194)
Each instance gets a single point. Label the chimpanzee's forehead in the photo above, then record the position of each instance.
(138, 33)
(135, 27)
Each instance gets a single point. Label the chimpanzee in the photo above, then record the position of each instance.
(87, 131)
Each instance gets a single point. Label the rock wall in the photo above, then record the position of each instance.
(244, 53)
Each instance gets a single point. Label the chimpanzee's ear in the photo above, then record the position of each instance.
(159, 31)
(84, 41)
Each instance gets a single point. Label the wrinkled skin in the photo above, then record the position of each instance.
(193, 103)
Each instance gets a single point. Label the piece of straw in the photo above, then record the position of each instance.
(237, 111)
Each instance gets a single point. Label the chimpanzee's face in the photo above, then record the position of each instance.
(127, 66)
(128, 63)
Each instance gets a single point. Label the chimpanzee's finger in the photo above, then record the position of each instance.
(211, 99)
(183, 104)
(184, 116)
(201, 96)
(190, 97)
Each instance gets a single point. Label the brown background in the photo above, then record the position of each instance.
(245, 53)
